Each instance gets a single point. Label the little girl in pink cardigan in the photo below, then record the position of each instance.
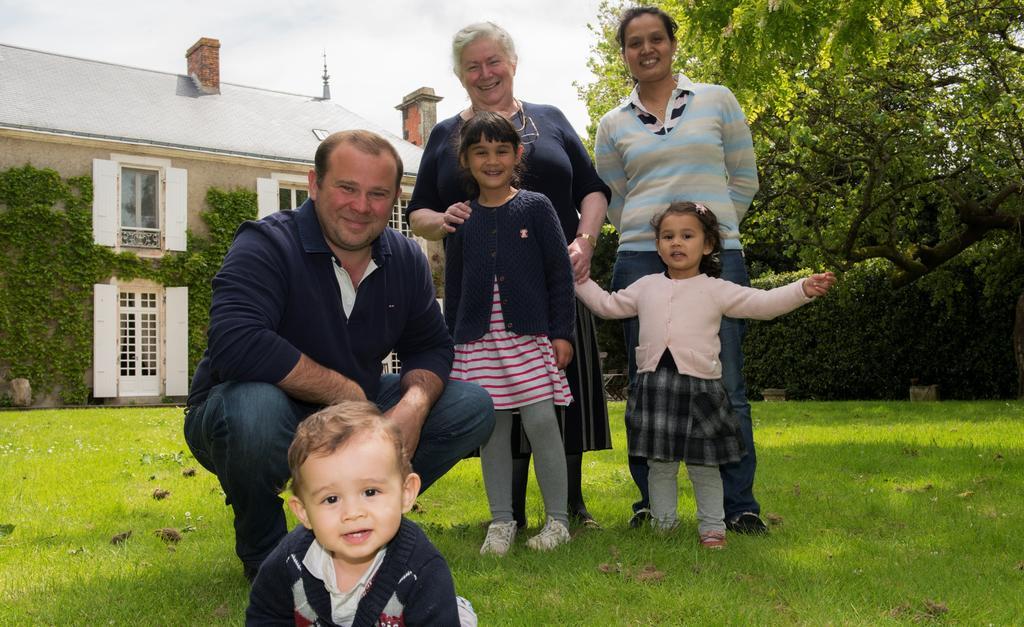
(679, 410)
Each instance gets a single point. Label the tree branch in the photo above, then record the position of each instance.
(877, 162)
(898, 191)
(934, 256)
(902, 262)
(1016, 187)
(1008, 41)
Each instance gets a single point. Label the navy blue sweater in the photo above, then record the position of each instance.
(276, 296)
(521, 244)
(556, 165)
(413, 586)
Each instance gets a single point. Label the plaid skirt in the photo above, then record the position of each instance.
(676, 417)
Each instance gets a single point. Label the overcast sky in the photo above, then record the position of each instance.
(377, 50)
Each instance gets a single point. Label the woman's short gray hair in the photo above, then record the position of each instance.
(475, 31)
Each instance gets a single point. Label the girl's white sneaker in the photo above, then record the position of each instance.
(499, 538)
(553, 534)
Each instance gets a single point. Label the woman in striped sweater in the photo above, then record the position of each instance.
(673, 140)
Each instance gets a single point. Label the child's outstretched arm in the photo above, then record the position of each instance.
(621, 304)
(818, 284)
(737, 301)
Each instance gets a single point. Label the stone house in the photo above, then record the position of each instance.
(154, 143)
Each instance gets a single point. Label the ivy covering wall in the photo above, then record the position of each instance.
(49, 263)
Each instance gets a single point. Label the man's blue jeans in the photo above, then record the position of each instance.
(737, 478)
(242, 432)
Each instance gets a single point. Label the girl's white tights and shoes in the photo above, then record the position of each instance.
(500, 536)
(553, 534)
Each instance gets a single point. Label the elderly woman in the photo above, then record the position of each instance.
(555, 164)
(676, 140)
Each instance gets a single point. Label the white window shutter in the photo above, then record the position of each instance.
(177, 209)
(267, 197)
(104, 340)
(104, 202)
(176, 347)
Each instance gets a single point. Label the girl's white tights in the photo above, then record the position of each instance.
(541, 427)
(707, 491)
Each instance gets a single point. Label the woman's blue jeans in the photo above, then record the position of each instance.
(737, 478)
(242, 432)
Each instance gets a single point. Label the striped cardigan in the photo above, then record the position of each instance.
(708, 158)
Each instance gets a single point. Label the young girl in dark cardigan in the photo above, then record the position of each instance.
(510, 307)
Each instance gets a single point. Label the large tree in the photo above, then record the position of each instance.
(886, 129)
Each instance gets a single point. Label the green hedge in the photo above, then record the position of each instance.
(609, 332)
(868, 341)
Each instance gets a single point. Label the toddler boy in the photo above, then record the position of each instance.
(355, 560)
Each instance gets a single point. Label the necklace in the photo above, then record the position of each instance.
(522, 117)
(518, 110)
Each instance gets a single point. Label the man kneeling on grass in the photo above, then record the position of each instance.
(304, 308)
(355, 560)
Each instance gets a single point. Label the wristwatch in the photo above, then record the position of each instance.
(587, 236)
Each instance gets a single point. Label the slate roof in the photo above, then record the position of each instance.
(43, 91)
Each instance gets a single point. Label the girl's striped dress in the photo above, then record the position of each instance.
(516, 370)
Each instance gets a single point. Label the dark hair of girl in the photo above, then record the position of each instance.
(710, 264)
(632, 13)
(485, 126)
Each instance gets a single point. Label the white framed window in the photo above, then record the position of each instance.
(139, 203)
(138, 344)
(392, 364)
(291, 198)
(397, 220)
(140, 208)
(280, 192)
(140, 340)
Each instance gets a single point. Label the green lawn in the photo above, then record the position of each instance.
(882, 513)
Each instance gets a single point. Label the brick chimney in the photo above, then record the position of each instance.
(204, 65)
(419, 115)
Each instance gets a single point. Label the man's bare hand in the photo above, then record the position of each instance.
(410, 427)
(420, 390)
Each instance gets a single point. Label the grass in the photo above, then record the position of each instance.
(884, 513)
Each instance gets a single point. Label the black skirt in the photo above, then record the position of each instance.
(676, 417)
